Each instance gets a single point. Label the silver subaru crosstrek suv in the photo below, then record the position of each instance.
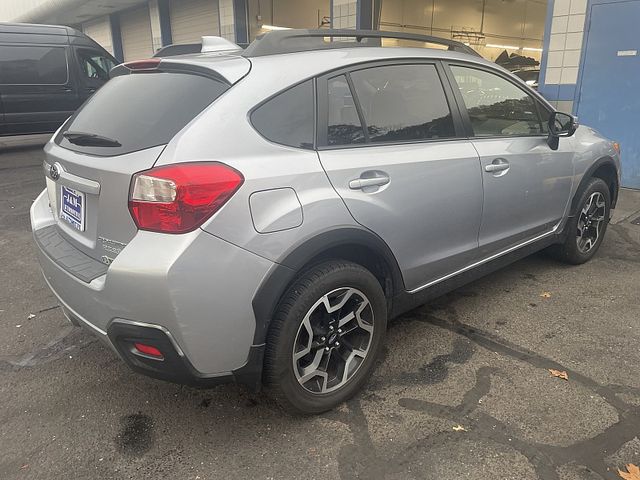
(259, 215)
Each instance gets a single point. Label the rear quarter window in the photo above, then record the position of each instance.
(288, 118)
(140, 110)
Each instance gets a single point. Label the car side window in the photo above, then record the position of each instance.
(344, 126)
(403, 103)
(288, 118)
(33, 65)
(94, 65)
(496, 107)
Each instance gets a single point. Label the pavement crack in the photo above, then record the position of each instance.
(589, 452)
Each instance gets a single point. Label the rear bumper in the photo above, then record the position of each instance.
(175, 366)
(195, 289)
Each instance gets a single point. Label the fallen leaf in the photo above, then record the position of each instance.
(560, 374)
(632, 473)
(545, 294)
(459, 428)
(31, 315)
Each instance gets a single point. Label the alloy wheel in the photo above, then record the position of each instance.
(333, 340)
(590, 222)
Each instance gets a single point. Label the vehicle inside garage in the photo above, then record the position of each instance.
(438, 167)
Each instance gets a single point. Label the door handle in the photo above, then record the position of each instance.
(498, 165)
(360, 183)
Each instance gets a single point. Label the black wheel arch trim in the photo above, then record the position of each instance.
(268, 295)
(588, 175)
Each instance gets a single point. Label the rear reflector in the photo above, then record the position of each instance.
(148, 350)
(179, 198)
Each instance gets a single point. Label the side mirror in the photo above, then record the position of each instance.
(561, 125)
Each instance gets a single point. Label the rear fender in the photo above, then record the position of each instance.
(274, 286)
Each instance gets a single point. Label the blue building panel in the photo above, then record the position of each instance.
(605, 95)
(608, 97)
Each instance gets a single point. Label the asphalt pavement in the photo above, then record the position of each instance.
(463, 391)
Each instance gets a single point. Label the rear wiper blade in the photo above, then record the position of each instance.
(90, 139)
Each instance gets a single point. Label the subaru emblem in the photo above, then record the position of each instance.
(54, 172)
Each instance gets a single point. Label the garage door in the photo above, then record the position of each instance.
(135, 26)
(191, 19)
(100, 31)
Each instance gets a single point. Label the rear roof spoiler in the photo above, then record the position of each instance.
(209, 44)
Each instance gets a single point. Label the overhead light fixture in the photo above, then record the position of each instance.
(274, 27)
(506, 47)
(532, 49)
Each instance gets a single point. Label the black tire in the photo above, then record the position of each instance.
(569, 251)
(284, 335)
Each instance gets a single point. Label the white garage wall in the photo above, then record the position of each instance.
(287, 13)
(299, 13)
(100, 31)
(135, 26)
(518, 23)
(191, 19)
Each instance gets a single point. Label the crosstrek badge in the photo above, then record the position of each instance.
(72, 207)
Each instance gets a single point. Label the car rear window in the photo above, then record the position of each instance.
(138, 111)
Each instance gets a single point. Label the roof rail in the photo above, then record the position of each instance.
(299, 40)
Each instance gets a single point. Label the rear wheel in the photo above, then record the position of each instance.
(325, 337)
(586, 229)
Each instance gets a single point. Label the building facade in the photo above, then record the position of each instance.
(137, 28)
(591, 68)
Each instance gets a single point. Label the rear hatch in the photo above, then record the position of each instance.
(118, 132)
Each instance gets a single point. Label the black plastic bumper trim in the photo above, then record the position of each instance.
(175, 367)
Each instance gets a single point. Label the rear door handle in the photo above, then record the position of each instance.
(498, 165)
(496, 168)
(360, 183)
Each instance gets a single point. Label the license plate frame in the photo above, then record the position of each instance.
(72, 207)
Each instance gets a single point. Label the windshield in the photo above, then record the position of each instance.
(138, 111)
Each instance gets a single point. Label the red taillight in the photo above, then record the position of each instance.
(148, 64)
(179, 198)
(149, 350)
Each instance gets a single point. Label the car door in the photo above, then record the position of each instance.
(37, 90)
(93, 69)
(391, 146)
(526, 184)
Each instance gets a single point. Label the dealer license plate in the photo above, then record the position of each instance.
(72, 208)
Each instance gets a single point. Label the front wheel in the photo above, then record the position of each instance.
(325, 337)
(586, 229)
